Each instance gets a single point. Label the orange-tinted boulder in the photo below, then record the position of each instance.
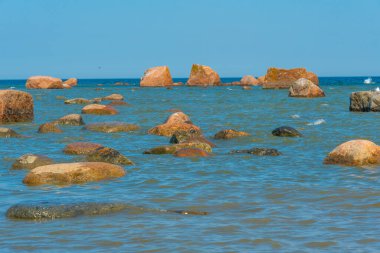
(191, 152)
(249, 80)
(176, 121)
(261, 80)
(99, 109)
(44, 82)
(229, 134)
(71, 82)
(201, 75)
(156, 77)
(15, 106)
(113, 97)
(81, 148)
(284, 78)
(50, 127)
(305, 88)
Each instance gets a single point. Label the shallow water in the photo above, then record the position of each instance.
(289, 203)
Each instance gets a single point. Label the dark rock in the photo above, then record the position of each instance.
(109, 155)
(8, 133)
(193, 135)
(258, 151)
(229, 134)
(286, 131)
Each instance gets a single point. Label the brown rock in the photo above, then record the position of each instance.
(71, 119)
(119, 103)
(176, 121)
(8, 133)
(156, 77)
(249, 80)
(355, 153)
(81, 148)
(66, 86)
(305, 88)
(191, 152)
(183, 136)
(73, 173)
(78, 101)
(112, 127)
(365, 101)
(71, 82)
(113, 97)
(109, 155)
(261, 80)
(171, 149)
(99, 109)
(229, 134)
(50, 127)
(203, 75)
(283, 78)
(15, 106)
(31, 161)
(44, 82)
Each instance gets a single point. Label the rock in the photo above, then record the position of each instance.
(112, 127)
(66, 86)
(8, 133)
(258, 151)
(113, 97)
(249, 80)
(78, 101)
(118, 103)
(109, 155)
(31, 161)
(71, 119)
(50, 127)
(71, 82)
(97, 100)
(81, 148)
(355, 153)
(191, 152)
(15, 106)
(176, 121)
(365, 101)
(171, 149)
(203, 75)
(99, 109)
(182, 136)
(247, 88)
(188, 212)
(177, 84)
(47, 211)
(305, 88)
(286, 131)
(73, 173)
(44, 82)
(229, 134)
(156, 77)
(261, 80)
(283, 78)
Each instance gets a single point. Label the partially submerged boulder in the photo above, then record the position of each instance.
(355, 153)
(109, 155)
(31, 161)
(201, 75)
(284, 78)
(182, 136)
(118, 103)
(78, 101)
(71, 82)
(113, 97)
(258, 151)
(249, 80)
(229, 134)
(81, 148)
(176, 121)
(286, 131)
(171, 149)
(71, 119)
(44, 82)
(8, 133)
(99, 109)
(112, 127)
(365, 101)
(191, 152)
(157, 77)
(15, 106)
(305, 88)
(73, 173)
(50, 127)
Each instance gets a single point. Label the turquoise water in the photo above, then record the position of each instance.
(289, 203)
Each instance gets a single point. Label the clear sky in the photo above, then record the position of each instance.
(122, 38)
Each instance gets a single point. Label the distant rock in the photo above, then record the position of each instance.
(305, 88)
(113, 97)
(109, 155)
(71, 82)
(203, 75)
(249, 80)
(78, 101)
(50, 127)
(156, 77)
(229, 134)
(66, 86)
(31, 161)
(8, 133)
(286, 131)
(191, 152)
(258, 151)
(177, 84)
(247, 88)
(112, 127)
(99, 109)
(44, 82)
(16, 106)
(355, 153)
(365, 101)
(73, 173)
(284, 78)
(171, 149)
(261, 80)
(81, 148)
(71, 119)
(119, 103)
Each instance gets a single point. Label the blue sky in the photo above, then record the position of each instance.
(121, 38)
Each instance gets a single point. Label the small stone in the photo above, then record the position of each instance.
(258, 151)
(31, 161)
(50, 127)
(171, 149)
(229, 134)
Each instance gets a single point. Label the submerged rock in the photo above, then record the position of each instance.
(305, 88)
(8, 133)
(157, 77)
(175, 122)
(99, 109)
(73, 173)
(201, 75)
(113, 97)
(109, 155)
(16, 106)
(191, 152)
(171, 149)
(249, 80)
(78, 101)
(50, 127)
(81, 148)
(182, 136)
(71, 119)
(229, 134)
(71, 82)
(31, 161)
(365, 101)
(284, 78)
(118, 103)
(44, 82)
(286, 131)
(112, 127)
(258, 151)
(355, 153)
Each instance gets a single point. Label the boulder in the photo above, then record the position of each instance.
(258, 151)
(261, 80)
(50, 127)
(118, 103)
(286, 131)
(71, 82)
(81, 148)
(156, 77)
(305, 88)
(71, 119)
(355, 153)
(73, 173)
(365, 101)
(8, 133)
(247, 88)
(171, 149)
(44, 82)
(182, 136)
(112, 127)
(284, 78)
(191, 152)
(249, 80)
(15, 106)
(176, 121)
(99, 109)
(109, 155)
(78, 101)
(201, 75)
(31, 161)
(113, 97)
(66, 86)
(229, 134)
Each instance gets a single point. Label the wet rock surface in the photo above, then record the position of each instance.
(191, 152)
(50, 127)
(81, 148)
(31, 161)
(71, 119)
(16, 106)
(112, 127)
(175, 122)
(109, 155)
(171, 149)
(80, 101)
(229, 134)
(258, 151)
(365, 101)
(99, 109)
(8, 133)
(286, 131)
